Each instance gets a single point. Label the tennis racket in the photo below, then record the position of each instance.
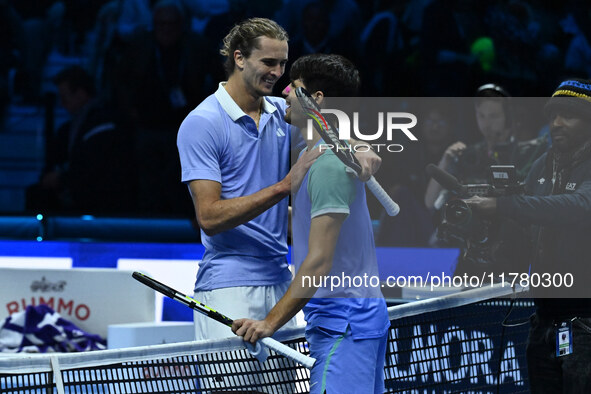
(192, 303)
(340, 148)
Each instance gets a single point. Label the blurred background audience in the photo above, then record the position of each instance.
(151, 62)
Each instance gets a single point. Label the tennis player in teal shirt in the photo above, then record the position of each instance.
(332, 238)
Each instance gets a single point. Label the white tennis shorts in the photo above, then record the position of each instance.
(253, 302)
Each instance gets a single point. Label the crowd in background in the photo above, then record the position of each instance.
(151, 62)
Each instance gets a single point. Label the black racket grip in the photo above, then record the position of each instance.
(154, 284)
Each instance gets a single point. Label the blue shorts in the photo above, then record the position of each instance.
(345, 365)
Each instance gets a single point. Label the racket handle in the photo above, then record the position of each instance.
(288, 352)
(392, 208)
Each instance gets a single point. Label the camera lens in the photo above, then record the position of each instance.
(457, 212)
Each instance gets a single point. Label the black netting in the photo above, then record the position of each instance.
(464, 349)
(457, 350)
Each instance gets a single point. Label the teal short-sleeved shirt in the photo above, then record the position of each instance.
(329, 188)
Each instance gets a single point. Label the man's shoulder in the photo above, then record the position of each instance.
(209, 106)
(328, 171)
(207, 113)
(328, 161)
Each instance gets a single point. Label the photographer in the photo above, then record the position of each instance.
(470, 163)
(484, 250)
(558, 206)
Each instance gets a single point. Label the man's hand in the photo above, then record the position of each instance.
(300, 168)
(370, 163)
(452, 152)
(483, 205)
(252, 330)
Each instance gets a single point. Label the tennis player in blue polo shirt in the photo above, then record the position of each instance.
(346, 326)
(235, 157)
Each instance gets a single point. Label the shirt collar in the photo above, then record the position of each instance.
(230, 106)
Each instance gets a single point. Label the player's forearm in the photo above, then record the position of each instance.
(301, 290)
(222, 215)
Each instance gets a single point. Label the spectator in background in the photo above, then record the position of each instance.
(314, 32)
(161, 78)
(79, 19)
(41, 22)
(106, 48)
(515, 31)
(11, 51)
(578, 55)
(450, 27)
(345, 18)
(552, 44)
(381, 47)
(88, 168)
(132, 16)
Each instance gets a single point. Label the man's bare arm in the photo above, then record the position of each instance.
(324, 233)
(215, 214)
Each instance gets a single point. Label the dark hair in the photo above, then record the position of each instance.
(77, 78)
(243, 37)
(334, 75)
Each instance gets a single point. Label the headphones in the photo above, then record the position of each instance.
(494, 87)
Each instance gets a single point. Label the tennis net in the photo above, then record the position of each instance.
(454, 343)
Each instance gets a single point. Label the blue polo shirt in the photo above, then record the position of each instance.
(328, 188)
(217, 141)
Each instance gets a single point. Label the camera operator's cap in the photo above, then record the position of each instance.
(573, 96)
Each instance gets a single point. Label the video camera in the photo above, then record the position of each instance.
(478, 236)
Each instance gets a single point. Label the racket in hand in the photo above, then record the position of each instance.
(329, 134)
(192, 303)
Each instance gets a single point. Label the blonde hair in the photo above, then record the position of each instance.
(243, 37)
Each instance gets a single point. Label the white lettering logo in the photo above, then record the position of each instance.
(431, 358)
(500, 175)
(571, 186)
(391, 126)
